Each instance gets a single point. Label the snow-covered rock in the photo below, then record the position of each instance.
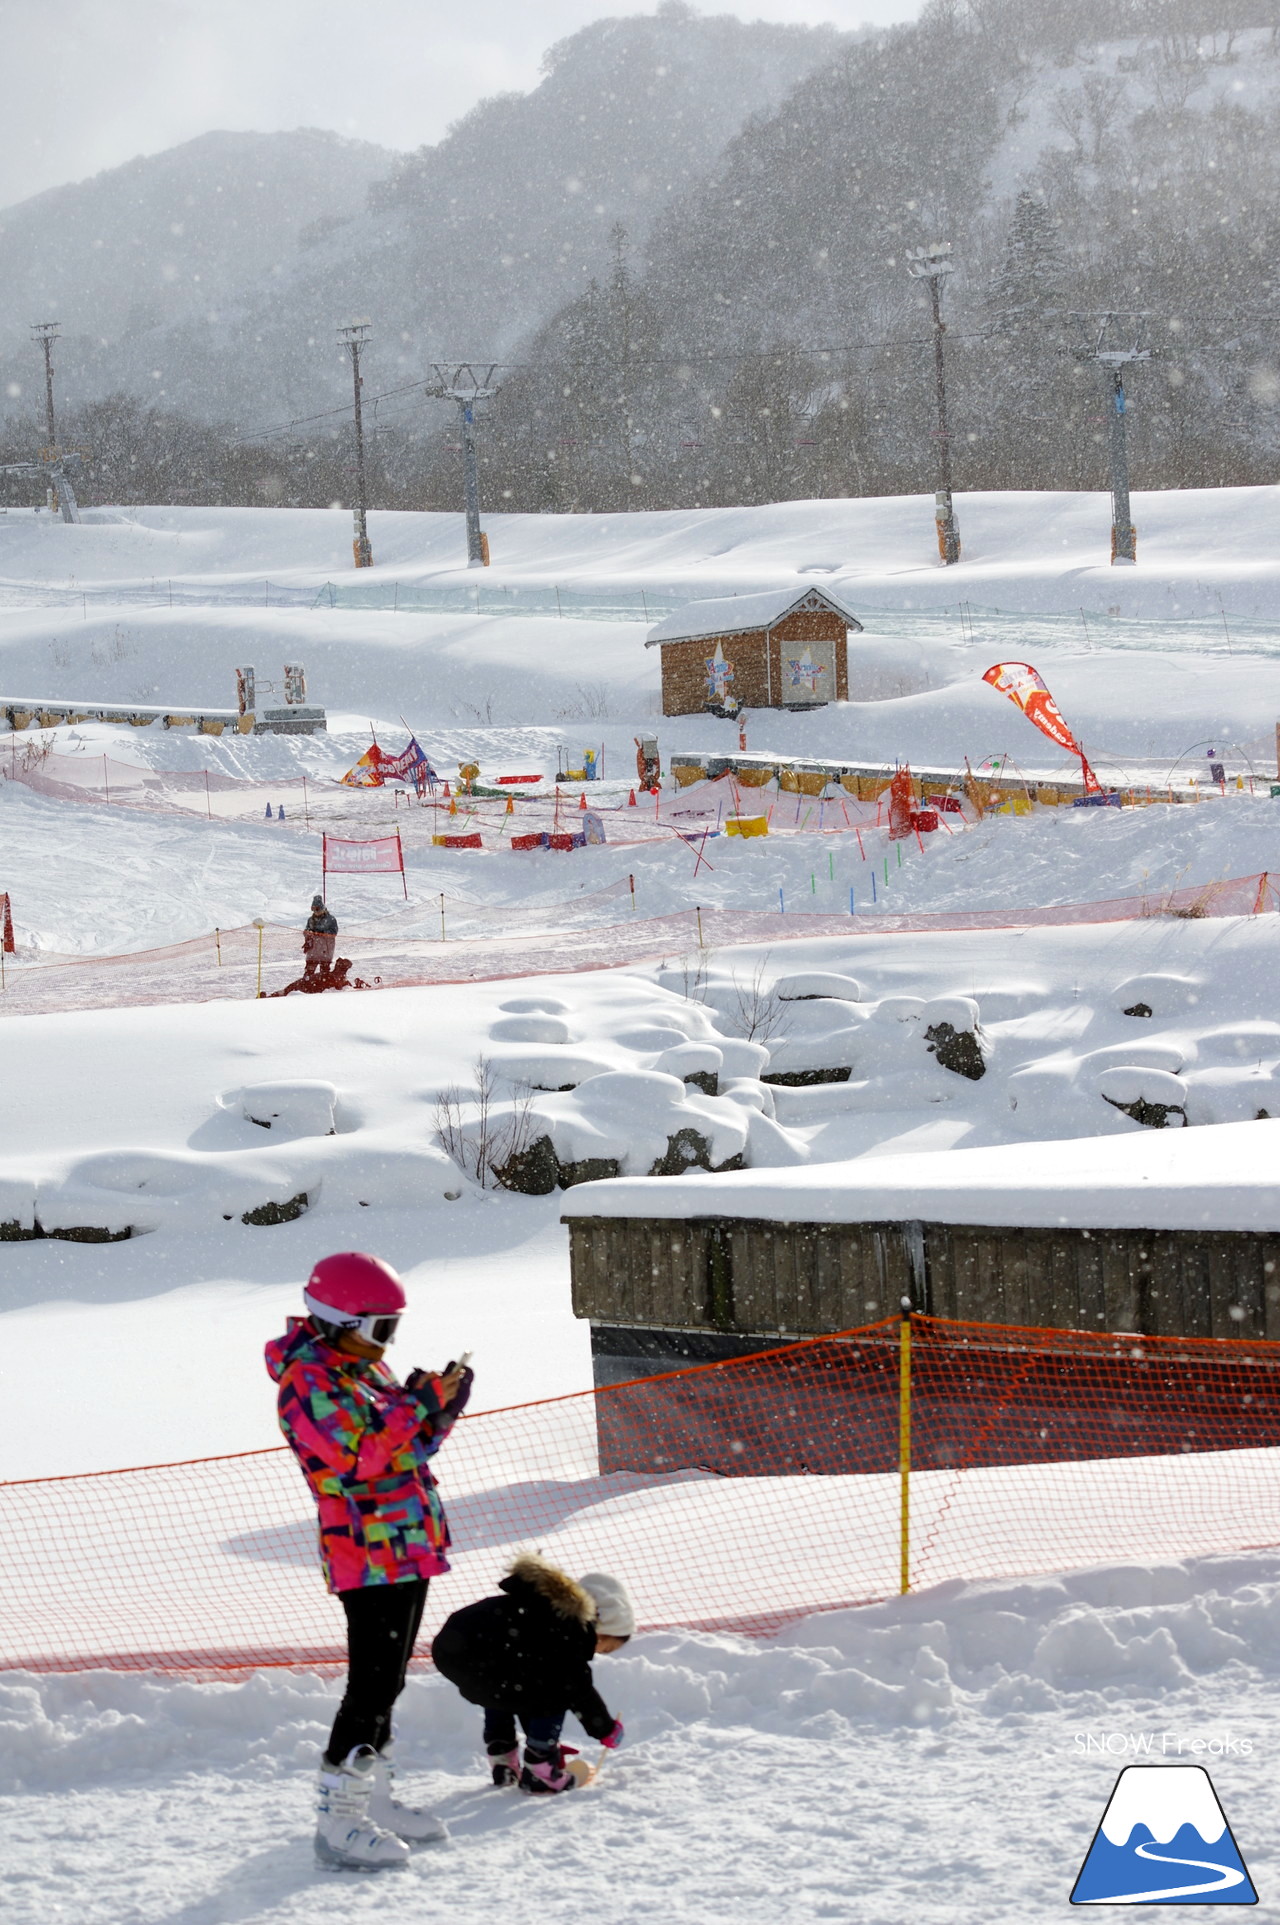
(1153, 1097)
(805, 983)
(300, 1108)
(630, 1117)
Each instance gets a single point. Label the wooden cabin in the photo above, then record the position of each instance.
(785, 649)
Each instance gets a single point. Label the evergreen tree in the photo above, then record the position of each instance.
(1028, 287)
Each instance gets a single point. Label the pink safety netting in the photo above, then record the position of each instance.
(735, 1496)
(491, 943)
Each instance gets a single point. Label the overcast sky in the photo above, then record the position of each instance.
(91, 83)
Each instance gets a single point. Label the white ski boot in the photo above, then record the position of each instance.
(410, 1822)
(346, 1837)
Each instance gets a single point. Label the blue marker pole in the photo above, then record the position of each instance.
(873, 885)
(782, 907)
(850, 898)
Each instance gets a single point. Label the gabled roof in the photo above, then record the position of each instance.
(732, 614)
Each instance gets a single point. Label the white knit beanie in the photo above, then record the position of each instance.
(615, 1613)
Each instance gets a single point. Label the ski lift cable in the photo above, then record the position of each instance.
(661, 361)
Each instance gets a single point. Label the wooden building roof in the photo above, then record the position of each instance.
(739, 614)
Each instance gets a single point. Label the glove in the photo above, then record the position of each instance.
(458, 1402)
(614, 1737)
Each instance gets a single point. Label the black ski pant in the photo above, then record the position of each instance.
(542, 1735)
(382, 1625)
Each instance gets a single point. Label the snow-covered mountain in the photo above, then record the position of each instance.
(173, 237)
(211, 278)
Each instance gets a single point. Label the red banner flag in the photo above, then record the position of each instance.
(382, 856)
(6, 931)
(1020, 682)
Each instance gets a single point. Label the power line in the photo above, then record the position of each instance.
(430, 387)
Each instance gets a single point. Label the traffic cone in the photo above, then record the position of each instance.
(582, 800)
(631, 800)
(269, 815)
(280, 811)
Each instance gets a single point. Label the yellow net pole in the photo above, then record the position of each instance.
(904, 1452)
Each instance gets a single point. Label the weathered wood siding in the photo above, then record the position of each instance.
(684, 671)
(803, 1279)
(796, 1279)
(809, 625)
(757, 656)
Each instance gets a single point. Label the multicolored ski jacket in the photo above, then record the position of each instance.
(363, 1442)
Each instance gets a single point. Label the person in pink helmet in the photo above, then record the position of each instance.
(365, 1443)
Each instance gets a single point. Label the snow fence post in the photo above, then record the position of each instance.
(904, 1448)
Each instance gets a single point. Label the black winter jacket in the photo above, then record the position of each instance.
(528, 1651)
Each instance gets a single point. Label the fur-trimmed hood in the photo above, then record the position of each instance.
(565, 1596)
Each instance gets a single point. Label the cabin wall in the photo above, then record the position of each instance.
(726, 1279)
(684, 671)
(761, 675)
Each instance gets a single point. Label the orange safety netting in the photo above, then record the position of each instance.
(734, 1496)
(494, 942)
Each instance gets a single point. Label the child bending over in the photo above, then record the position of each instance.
(527, 1655)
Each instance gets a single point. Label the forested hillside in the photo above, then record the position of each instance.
(690, 245)
(772, 343)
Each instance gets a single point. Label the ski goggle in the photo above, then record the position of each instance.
(378, 1327)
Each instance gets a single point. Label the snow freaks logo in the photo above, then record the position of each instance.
(1164, 1838)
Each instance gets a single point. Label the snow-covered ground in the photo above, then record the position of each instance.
(142, 1118)
(1145, 661)
(947, 1756)
(929, 1756)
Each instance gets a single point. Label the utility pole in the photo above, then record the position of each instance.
(464, 385)
(932, 264)
(1100, 346)
(353, 339)
(46, 333)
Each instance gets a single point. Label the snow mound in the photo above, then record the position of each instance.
(633, 1118)
(805, 983)
(936, 1657)
(288, 1109)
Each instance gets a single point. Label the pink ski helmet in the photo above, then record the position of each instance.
(353, 1291)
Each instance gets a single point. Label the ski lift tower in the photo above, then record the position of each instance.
(56, 474)
(466, 385)
(1102, 344)
(933, 264)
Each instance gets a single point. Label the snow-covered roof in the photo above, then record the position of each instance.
(732, 614)
(1221, 1177)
